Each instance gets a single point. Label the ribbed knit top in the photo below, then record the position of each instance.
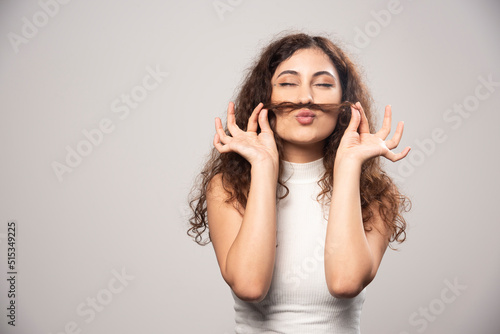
(298, 300)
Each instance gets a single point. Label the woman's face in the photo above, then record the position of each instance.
(308, 76)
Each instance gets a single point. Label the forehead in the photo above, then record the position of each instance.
(307, 61)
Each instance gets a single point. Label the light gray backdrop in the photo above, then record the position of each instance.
(107, 113)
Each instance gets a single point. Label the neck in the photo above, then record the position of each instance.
(302, 153)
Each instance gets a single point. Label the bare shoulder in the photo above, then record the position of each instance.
(376, 224)
(378, 236)
(224, 220)
(215, 188)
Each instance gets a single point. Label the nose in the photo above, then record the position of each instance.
(305, 95)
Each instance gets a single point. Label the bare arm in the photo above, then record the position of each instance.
(245, 244)
(353, 255)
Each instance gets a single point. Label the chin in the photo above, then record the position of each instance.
(309, 137)
(306, 141)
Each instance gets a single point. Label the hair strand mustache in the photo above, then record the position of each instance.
(324, 107)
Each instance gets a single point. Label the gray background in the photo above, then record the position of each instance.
(124, 206)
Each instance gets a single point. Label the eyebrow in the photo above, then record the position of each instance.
(314, 75)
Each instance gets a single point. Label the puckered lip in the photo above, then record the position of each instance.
(305, 113)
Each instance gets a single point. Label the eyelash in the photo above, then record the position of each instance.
(291, 84)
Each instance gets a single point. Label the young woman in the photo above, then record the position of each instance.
(298, 208)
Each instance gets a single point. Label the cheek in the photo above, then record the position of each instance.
(280, 123)
(328, 123)
(276, 96)
(330, 97)
(287, 127)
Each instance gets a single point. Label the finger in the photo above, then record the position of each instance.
(220, 131)
(216, 142)
(355, 119)
(394, 141)
(253, 120)
(395, 157)
(364, 127)
(264, 121)
(231, 120)
(386, 125)
(218, 145)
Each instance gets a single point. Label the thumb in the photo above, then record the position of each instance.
(355, 120)
(264, 121)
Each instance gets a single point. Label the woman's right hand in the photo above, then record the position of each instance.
(255, 148)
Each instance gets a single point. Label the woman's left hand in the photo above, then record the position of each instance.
(359, 144)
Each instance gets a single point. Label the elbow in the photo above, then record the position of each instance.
(249, 288)
(345, 289)
(252, 293)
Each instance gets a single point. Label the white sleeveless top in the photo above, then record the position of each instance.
(298, 300)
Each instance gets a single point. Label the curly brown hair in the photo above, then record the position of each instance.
(375, 184)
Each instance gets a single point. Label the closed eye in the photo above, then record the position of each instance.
(283, 84)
